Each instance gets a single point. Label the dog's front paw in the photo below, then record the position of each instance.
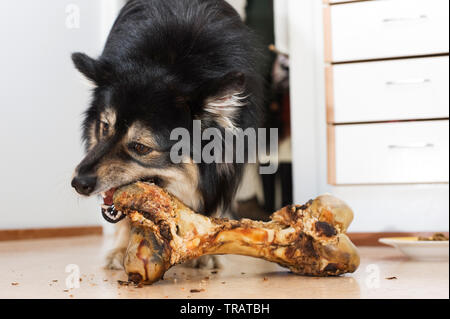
(204, 262)
(115, 259)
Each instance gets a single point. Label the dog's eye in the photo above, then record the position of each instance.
(140, 149)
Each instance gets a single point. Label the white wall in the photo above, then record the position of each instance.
(239, 5)
(281, 12)
(377, 208)
(42, 98)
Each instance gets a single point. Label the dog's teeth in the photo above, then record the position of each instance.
(103, 195)
(111, 215)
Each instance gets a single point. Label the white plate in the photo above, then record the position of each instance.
(419, 250)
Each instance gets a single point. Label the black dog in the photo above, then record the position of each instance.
(165, 64)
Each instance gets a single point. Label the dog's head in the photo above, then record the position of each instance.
(128, 126)
(155, 76)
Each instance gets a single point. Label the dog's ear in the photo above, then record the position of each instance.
(227, 99)
(88, 66)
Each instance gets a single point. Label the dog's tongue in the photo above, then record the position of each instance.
(109, 199)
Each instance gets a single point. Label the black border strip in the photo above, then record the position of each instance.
(172, 308)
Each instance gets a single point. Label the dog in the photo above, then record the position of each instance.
(167, 63)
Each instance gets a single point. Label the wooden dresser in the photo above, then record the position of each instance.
(387, 86)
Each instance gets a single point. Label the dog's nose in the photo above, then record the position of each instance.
(84, 185)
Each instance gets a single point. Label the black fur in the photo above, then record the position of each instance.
(162, 60)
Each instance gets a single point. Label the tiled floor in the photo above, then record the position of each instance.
(37, 269)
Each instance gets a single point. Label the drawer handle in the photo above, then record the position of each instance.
(409, 82)
(418, 146)
(405, 19)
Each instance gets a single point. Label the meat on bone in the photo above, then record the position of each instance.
(309, 239)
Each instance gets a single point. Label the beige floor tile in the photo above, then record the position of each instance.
(37, 269)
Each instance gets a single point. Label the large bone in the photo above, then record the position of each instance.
(308, 239)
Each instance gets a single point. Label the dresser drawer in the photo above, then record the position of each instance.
(390, 90)
(410, 152)
(388, 28)
(339, 1)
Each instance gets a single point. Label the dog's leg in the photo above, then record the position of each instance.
(204, 262)
(210, 261)
(114, 259)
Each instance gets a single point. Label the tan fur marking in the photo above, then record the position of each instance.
(225, 109)
(186, 189)
(92, 137)
(109, 116)
(138, 132)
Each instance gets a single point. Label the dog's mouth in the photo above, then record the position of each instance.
(109, 212)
